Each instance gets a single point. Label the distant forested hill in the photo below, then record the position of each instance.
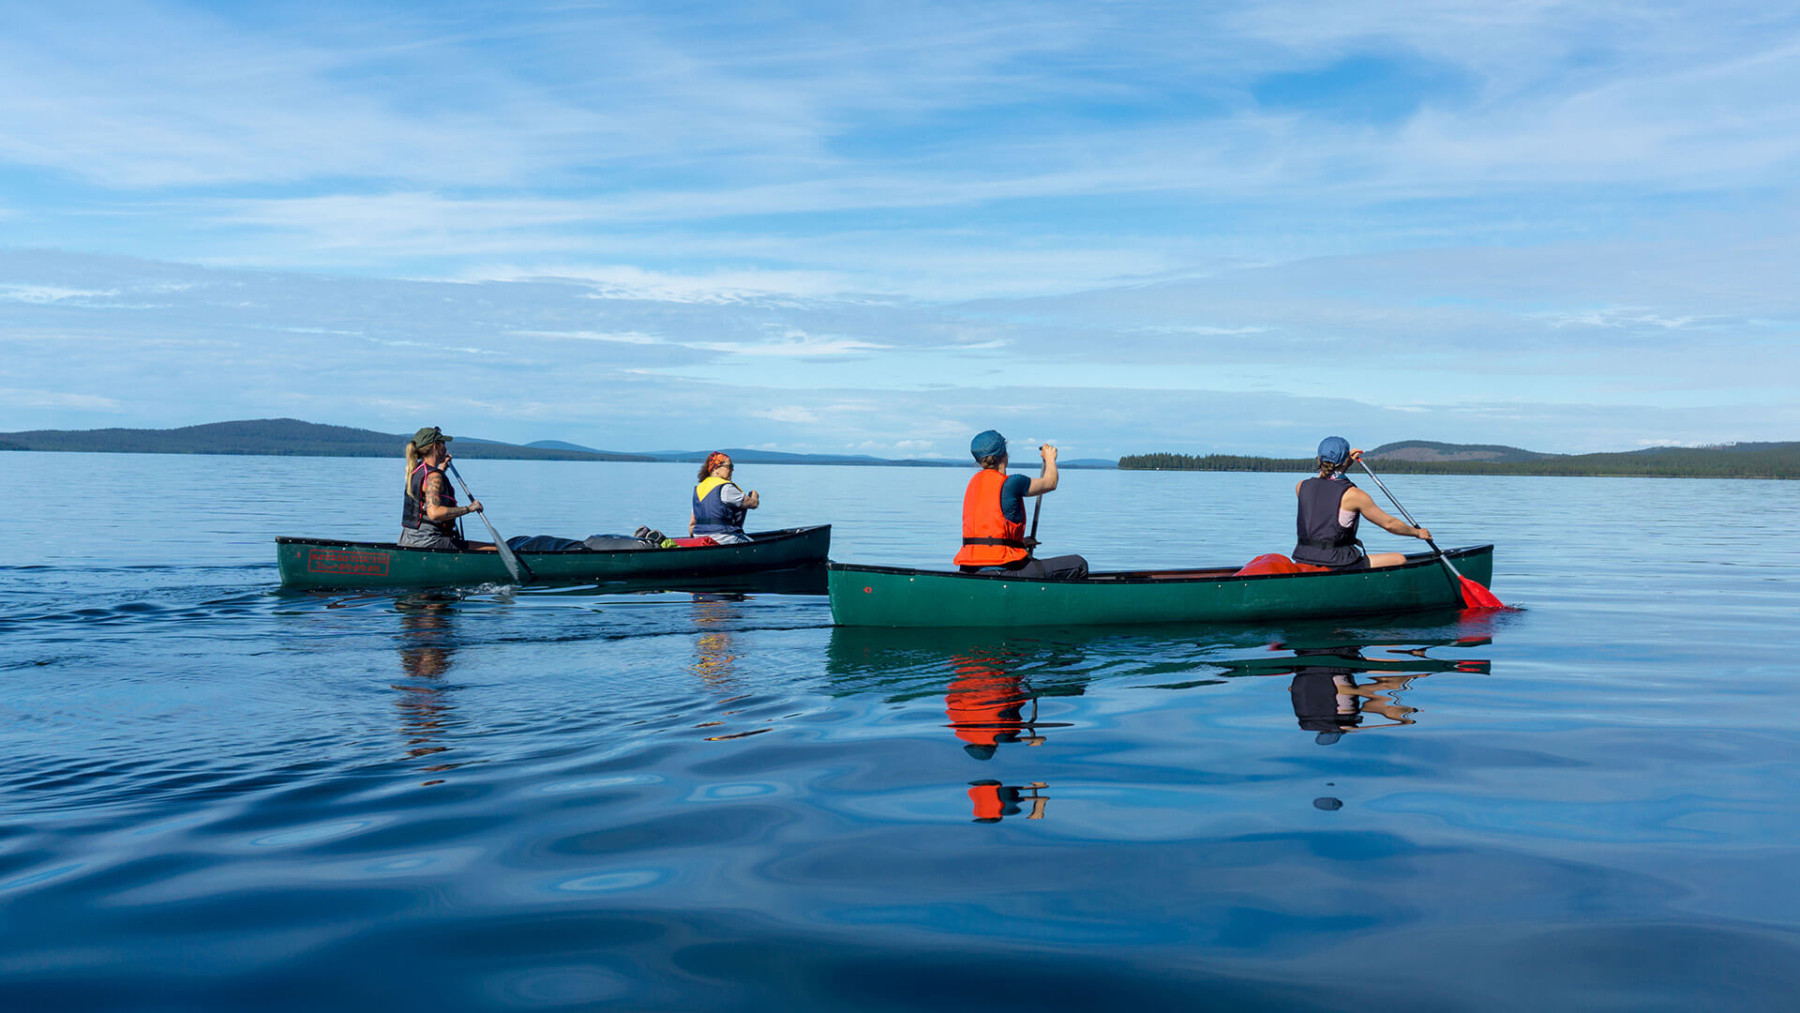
(277, 437)
(292, 437)
(1417, 457)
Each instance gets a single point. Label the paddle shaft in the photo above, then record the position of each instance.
(513, 565)
(1454, 573)
(1036, 512)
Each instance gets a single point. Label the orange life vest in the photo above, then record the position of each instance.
(989, 539)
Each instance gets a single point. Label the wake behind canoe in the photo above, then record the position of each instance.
(894, 596)
(316, 562)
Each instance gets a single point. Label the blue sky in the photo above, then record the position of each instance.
(881, 227)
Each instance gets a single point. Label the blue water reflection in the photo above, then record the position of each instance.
(218, 794)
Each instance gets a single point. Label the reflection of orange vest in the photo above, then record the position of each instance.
(989, 539)
(985, 705)
(989, 802)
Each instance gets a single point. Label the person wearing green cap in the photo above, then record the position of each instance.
(994, 515)
(429, 512)
(1331, 507)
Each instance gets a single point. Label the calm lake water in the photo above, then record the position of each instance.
(217, 794)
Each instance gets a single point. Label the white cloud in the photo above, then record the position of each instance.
(1614, 317)
(59, 399)
(793, 344)
(787, 413)
(44, 294)
(616, 337)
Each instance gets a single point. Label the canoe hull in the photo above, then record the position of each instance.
(314, 562)
(895, 597)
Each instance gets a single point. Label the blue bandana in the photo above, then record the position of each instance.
(1334, 450)
(987, 444)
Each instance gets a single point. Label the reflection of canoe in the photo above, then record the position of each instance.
(316, 562)
(892, 596)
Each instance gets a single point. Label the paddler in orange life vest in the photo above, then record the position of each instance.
(1331, 507)
(994, 516)
(429, 511)
(719, 505)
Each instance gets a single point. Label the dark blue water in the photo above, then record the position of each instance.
(217, 794)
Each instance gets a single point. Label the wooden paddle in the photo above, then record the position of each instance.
(520, 572)
(1474, 596)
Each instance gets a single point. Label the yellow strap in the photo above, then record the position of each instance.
(707, 485)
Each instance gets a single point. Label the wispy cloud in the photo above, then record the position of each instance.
(1104, 371)
(43, 294)
(1035, 147)
(60, 399)
(1512, 213)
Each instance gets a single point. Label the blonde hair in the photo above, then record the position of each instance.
(413, 457)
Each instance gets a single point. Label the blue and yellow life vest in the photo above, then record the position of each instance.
(714, 516)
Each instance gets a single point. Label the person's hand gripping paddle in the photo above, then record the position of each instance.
(1037, 511)
(1474, 596)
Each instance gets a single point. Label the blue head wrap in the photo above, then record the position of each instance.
(1334, 450)
(987, 444)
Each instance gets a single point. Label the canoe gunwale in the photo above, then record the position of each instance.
(1186, 575)
(887, 596)
(757, 538)
(334, 563)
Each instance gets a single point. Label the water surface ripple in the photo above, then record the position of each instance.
(220, 794)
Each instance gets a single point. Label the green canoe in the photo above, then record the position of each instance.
(318, 562)
(893, 596)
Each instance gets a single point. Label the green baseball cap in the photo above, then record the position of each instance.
(429, 435)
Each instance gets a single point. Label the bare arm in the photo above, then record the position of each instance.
(435, 510)
(1047, 481)
(1360, 502)
(752, 500)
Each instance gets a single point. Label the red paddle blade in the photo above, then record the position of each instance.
(1477, 597)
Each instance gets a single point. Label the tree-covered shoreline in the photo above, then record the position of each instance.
(1742, 460)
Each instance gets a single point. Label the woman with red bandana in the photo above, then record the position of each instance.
(719, 505)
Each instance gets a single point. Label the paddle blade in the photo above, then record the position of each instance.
(1477, 597)
(514, 567)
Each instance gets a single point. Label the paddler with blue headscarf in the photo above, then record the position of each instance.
(719, 505)
(1330, 509)
(994, 515)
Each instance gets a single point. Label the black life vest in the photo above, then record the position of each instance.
(1321, 540)
(412, 510)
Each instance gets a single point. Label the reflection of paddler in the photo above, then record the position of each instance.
(715, 656)
(425, 653)
(1328, 700)
(986, 706)
(994, 801)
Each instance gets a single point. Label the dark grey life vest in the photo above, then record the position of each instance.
(412, 511)
(1322, 541)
